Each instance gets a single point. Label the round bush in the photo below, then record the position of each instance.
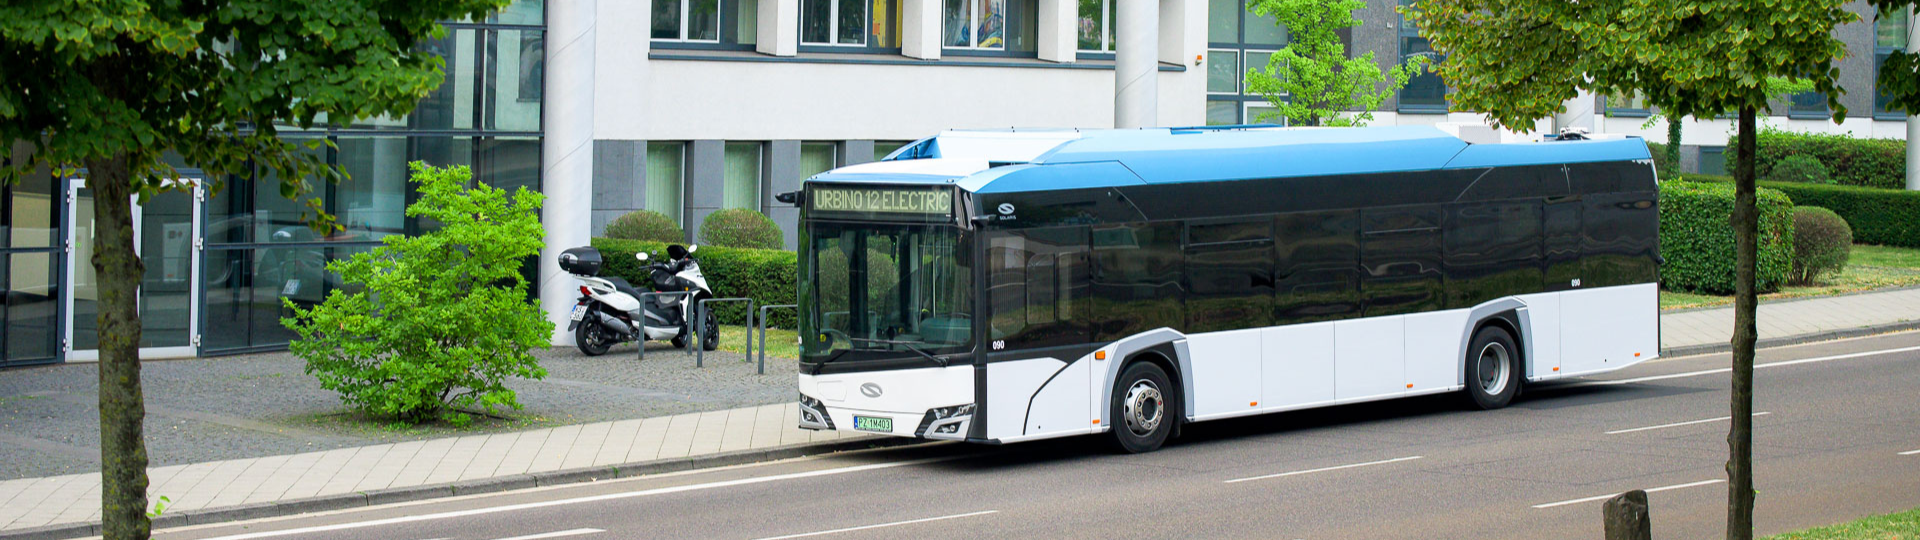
(740, 228)
(646, 225)
(1821, 243)
(1800, 168)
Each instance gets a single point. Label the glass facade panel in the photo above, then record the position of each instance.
(450, 105)
(508, 163)
(1713, 160)
(1223, 21)
(1095, 26)
(742, 189)
(32, 305)
(1223, 72)
(886, 23)
(816, 21)
(1264, 30)
(1223, 113)
(166, 289)
(372, 203)
(665, 178)
(666, 19)
(1807, 105)
(983, 24)
(1264, 114)
(816, 158)
(703, 20)
(882, 148)
(1425, 92)
(31, 218)
(852, 22)
(527, 12)
(1890, 30)
(517, 70)
(746, 22)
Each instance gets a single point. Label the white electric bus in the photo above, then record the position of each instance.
(1015, 285)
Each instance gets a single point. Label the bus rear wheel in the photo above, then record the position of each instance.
(1493, 368)
(1141, 413)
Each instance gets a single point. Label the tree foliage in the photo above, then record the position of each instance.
(1312, 81)
(435, 323)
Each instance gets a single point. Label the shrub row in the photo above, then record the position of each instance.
(1878, 216)
(765, 275)
(1878, 163)
(1698, 243)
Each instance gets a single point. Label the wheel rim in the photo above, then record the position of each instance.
(1143, 407)
(1494, 365)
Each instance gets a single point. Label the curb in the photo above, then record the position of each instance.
(471, 487)
(1830, 335)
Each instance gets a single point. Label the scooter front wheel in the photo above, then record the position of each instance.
(710, 332)
(591, 338)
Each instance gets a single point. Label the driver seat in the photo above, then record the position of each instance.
(622, 286)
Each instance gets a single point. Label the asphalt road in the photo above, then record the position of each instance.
(1840, 439)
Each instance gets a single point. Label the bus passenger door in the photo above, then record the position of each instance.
(1561, 217)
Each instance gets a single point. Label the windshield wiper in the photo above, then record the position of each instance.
(908, 344)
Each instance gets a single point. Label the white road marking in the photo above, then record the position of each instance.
(1325, 469)
(1910, 453)
(556, 534)
(595, 498)
(896, 523)
(1678, 424)
(1654, 490)
(1757, 367)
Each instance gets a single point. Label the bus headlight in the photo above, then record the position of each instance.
(813, 414)
(946, 422)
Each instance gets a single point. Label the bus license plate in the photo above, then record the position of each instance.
(579, 312)
(869, 423)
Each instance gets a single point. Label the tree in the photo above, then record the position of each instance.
(1312, 82)
(1518, 60)
(1777, 88)
(109, 85)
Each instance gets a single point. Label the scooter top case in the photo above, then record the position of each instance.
(584, 260)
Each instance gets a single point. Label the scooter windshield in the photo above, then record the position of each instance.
(891, 288)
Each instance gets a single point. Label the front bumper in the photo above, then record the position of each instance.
(940, 423)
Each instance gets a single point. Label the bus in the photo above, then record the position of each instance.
(1003, 286)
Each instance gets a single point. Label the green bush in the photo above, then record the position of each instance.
(767, 276)
(1667, 168)
(1698, 243)
(1801, 169)
(437, 323)
(646, 225)
(1879, 163)
(1878, 216)
(1821, 242)
(740, 228)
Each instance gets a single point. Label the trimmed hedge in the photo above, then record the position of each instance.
(1883, 217)
(740, 228)
(1698, 243)
(1878, 163)
(646, 225)
(767, 276)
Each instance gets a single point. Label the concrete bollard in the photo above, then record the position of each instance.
(1626, 517)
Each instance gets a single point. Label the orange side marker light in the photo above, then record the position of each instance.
(1253, 404)
(1099, 355)
(1636, 355)
(1556, 368)
(1096, 421)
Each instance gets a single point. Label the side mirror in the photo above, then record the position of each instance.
(641, 255)
(693, 248)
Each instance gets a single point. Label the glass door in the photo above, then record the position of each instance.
(166, 234)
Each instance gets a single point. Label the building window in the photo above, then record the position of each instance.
(990, 27)
(1238, 41)
(1097, 25)
(882, 148)
(850, 25)
(666, 177)
(1425, 92)
(742, 176)
(1713, 160)
(1628, 105)
(1807, 105)
(1889, 35)
(686, 20)
(816, 158)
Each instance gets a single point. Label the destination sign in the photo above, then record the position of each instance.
(883, 201)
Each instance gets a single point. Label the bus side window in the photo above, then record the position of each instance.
(1136, 280)
(1493, 251)
(1400, 253)
(1039, 278)
(1229, 275)
(1006, 285)
(1317, 274)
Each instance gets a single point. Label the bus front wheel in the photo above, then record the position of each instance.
(1493, 368)
(1141, 413)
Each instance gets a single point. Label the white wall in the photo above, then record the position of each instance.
(684, 100)
(1716, 132)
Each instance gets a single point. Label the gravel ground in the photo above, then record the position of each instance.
(264, 404)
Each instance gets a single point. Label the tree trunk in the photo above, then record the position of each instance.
(1746, 229)
(123, 450)
(1673, 142)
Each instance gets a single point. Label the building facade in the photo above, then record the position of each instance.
(687, 107)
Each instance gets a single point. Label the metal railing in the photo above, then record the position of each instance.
(642, 343)
(700, 350)
(763, 334)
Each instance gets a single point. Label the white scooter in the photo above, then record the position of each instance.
(609, 310)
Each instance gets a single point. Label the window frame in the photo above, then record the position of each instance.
(1240, 49)
(725, 38)
(1408, 30)
(1109, 14)
(1010, 20)
(1627, 110)
(1880, 54)
(867, 37)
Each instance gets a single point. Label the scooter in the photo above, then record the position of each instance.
(609, 310)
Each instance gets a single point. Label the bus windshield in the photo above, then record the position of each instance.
(904, 290)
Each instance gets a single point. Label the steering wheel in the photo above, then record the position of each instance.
(830, 332)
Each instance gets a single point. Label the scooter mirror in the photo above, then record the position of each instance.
(693, 248)
(641, 255)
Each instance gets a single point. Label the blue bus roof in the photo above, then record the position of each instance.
(1020, 161)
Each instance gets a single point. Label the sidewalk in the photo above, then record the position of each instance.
(1793, 321)
(383, 473)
